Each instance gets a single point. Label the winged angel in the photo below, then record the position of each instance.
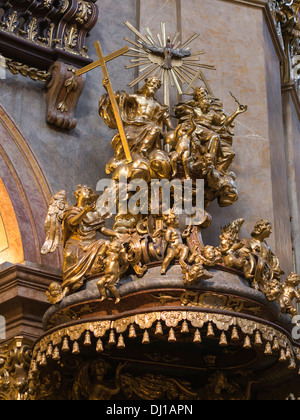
(84, 254)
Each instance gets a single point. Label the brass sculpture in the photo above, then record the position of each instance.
(209, 257)
(290, 294)
(257, 261)
(143, 118)
(176, 249)
(83, 252)
(183, 134)
(214, 128)
(147, 147)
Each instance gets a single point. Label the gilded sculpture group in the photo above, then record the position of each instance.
(200, 147)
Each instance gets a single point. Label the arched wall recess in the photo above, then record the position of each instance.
(11, 247)
(27, 187)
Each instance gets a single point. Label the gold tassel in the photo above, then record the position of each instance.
(258, 340)
(76, 349)
(146, 338)
(292, 364)
(87, 339)
(121, 342)
(185, 328)
(56, 355)
(49, 351)
(282, 358)
(34, 368)
(197, 337)
(112, 338)
(43, 361)
(65, 347)
(235, 335)
(210, 330)
(172, 337)
(99, 346)
(247, 343)
(268, 349)
(132, 333)
(39, 357)
(159, 329)
(276, 346)
(223, 340)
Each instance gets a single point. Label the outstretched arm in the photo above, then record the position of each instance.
(108, 232)
(241, 109)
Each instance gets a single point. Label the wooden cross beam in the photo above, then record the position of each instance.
(101, 62)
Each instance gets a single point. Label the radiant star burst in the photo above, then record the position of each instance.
(168, 59)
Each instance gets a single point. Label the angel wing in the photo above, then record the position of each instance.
(233, 228)
(58, 205)
(181, 53)
(153, 48)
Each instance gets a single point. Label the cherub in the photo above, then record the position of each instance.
(289, 294)
(211, 256)
(183, 136)
(176, 249)
(115, 256)
(119, 256)
(208, 256)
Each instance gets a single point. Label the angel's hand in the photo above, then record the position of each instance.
(90, 208)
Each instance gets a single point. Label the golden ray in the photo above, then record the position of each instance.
(185, 76)
(203, 66)
(171, 79)
(133, 43)
(159, 40)
(136, 55)
(166, 88)
(146, 68)
(179, 75)
(135, 31)
(175, 37)
(163, 31)
(145, 75)
(173, 76)
(137, 60)
(178, 87)
(150, 36)
(191, 39)
(131, 66)
(198, 53)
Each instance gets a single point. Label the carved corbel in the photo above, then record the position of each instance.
(62, 94)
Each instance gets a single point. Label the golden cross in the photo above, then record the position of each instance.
(101, 62)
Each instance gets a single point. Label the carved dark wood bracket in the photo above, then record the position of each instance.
(43, 39)
(63, 93)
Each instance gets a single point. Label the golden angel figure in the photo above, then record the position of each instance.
(83, 252)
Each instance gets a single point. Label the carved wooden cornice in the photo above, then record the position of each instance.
(23, 299)
(40, 32)
(40, 37)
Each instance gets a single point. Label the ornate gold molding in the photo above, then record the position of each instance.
(171, 326)
(15, 360)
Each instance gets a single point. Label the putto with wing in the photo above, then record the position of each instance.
(84, 254)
